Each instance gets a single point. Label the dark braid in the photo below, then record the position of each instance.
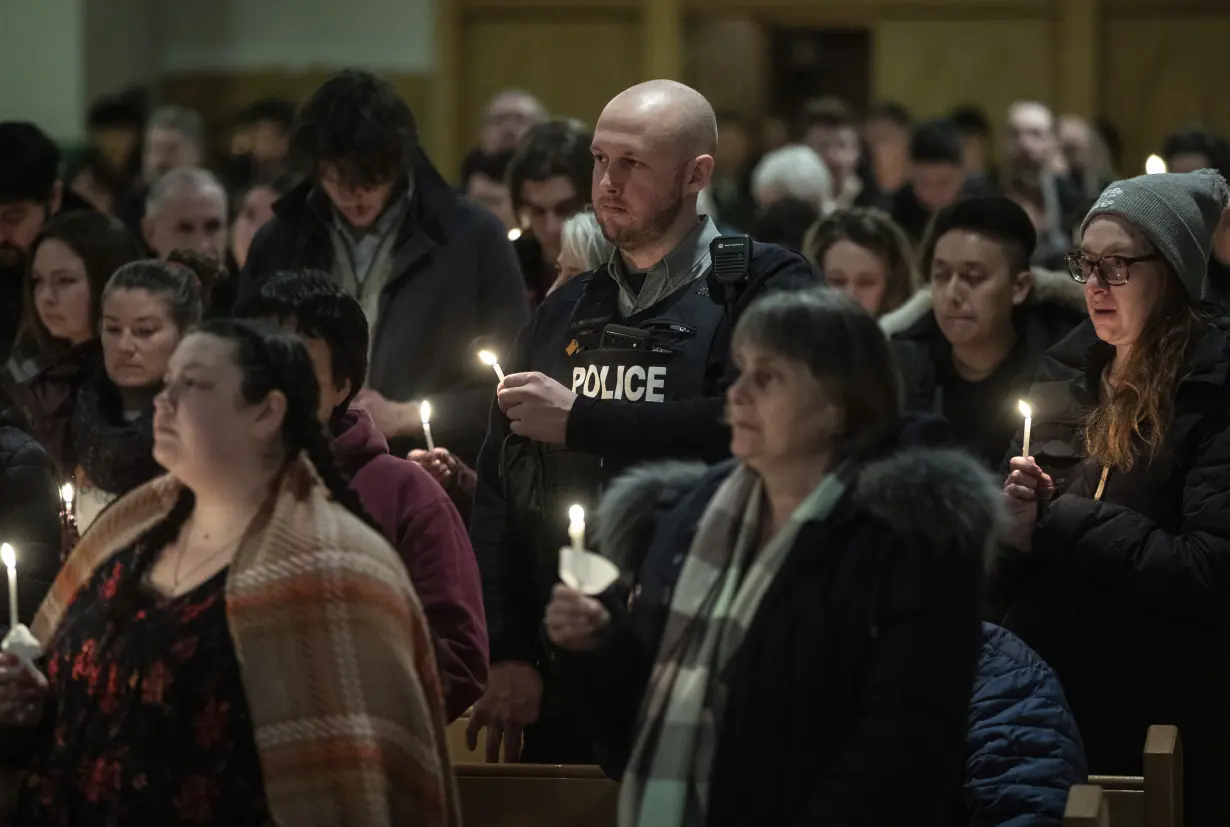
(311, 438)
(157, 537)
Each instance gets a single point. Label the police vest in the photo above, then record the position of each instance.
(542, 481)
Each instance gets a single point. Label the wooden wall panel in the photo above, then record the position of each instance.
(933, 65)
(1159, 73)
(575, 61)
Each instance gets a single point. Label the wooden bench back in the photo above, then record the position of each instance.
(1152, 800)
(1087, 807)
(536, 795)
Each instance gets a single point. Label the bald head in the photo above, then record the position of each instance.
(667, 114)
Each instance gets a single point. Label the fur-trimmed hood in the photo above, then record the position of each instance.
(1051, 287)
(942, 498)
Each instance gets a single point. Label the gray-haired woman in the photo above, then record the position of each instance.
(583, 247)
(804, 627)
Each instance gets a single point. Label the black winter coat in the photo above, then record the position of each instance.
(1128, 598)
(29, 518)
(455, 288)
(848, 700)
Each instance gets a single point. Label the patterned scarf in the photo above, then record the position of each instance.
(667, 780)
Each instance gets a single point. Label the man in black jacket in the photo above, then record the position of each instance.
(624, 364)
(435, 273)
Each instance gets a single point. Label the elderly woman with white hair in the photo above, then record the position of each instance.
(583, 247)
(797, 172)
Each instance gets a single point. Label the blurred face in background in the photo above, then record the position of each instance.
(138, 337)
(856, 271)
(20, 224)
(493, 196)
(838, 147)
(936, 185)
(165, 150)
(189, 218)
(974, 288)
(507, 119)
(545, 206)
(888, 142)
(61, 288)
(270, 143)
(255, 212)
(734, 148)
(1032, 142)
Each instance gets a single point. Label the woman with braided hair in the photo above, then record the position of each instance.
(233, 644)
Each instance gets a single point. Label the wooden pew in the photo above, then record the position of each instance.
(1156, 799)
(536, 795)
(1087, 807)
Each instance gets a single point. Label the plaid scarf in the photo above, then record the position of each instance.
(667, 780)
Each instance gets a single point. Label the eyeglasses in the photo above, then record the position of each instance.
(1112, 270)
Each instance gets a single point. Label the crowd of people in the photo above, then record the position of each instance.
(277, 525)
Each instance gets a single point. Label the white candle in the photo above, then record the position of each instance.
(1028, 414)
(576, 527)
(66, 495)
(488, 358)
(10, 563)
(425, 415)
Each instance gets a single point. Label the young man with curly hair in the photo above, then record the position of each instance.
(434, 272)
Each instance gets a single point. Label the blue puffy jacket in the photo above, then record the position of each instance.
(1023, 750)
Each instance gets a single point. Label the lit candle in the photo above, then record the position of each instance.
(66, 497)
(1155, 164)
(1028, 414)
(576, 527)
(425, 415)
(10, 563)
(488, 358)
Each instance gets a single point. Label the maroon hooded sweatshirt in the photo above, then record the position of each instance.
(422, 523)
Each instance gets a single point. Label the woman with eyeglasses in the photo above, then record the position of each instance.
(1119, 575)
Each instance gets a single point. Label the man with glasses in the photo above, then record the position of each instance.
(973, 356)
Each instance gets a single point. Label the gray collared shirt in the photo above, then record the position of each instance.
(362, 246)
(679, 268)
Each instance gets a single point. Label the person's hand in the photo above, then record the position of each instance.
(393, 419)
(23, 693)
(440, 463)
(510, 704)
(537, 406)
(1026, 486)
(575, 621)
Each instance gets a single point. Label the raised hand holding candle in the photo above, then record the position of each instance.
(1028, 414)
(10, 563)
(425, 415)
(576, 527)
(488, 358)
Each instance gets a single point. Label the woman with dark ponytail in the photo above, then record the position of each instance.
(233, 643)
(147, 307)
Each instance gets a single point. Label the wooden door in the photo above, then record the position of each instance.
(574, 60)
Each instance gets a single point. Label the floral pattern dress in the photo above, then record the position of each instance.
(148, 723)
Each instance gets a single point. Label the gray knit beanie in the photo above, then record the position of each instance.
(1179, 213)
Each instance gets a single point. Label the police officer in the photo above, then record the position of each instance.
(625, 364)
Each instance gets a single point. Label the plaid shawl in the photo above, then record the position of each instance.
(336, 659)
(666, 783)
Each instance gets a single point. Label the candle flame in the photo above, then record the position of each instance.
(1025, 409)
(514, 233)
(66, 493)
(425, 412)
(576, 515)
(1155, 164)
(487, 358)
(8, 556)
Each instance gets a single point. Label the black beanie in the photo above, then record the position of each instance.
(994, 216)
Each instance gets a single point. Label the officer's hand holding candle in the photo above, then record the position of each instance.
(537, 407)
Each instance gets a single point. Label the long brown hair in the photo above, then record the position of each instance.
(1136, 410)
